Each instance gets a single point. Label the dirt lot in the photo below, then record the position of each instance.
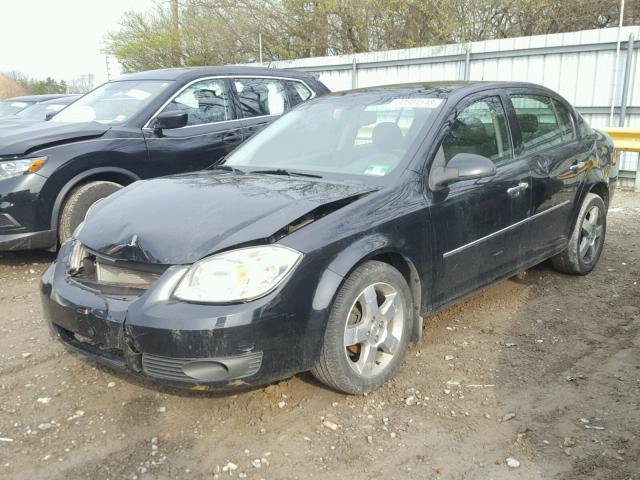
(543, 368)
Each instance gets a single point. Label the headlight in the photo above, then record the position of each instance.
(76, 257)
(13, 168)
(237, 275)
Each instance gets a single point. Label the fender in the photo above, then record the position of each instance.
(355, 254)
(359, 251)
(57, 205)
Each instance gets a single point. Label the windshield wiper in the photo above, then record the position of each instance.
(282, 171)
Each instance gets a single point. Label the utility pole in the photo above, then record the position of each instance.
(106, 61)
(615, 67)
(260, 44)
(176, 46)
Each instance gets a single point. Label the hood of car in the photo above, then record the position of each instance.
(181, 219)
(14, 121)
(20, 138)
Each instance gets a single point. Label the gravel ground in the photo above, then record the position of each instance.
(535, 377)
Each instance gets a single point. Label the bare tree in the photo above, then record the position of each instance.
(210, 32)
(82, 84)
(10, 88)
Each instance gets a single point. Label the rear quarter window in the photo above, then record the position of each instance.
(298, 91)
(565, 121)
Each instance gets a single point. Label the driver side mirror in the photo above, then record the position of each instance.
(170, 120)
(49, 116)
(463, 166)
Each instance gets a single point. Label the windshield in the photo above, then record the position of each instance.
(112, 103)
(364, 135)
(9, 107)
(39, 111)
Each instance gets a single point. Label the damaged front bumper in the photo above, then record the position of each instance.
(182, 344)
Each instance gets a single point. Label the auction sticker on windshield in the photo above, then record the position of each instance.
(416, 102)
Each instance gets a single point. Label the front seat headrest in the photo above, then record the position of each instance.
(387, 136)
(468, 129)
(528, 122)
(206, 97)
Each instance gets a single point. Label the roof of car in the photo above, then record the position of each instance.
(192, 73)
(445, 87)
(36, 98)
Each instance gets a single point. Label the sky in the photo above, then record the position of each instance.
(60, 38)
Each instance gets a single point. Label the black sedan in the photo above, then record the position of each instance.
(321, 243)
(141, 125)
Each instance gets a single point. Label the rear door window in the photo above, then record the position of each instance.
(261, 97)
(298, 91)
(538, 122)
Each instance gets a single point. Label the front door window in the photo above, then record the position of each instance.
(480, 128)
(205, 102)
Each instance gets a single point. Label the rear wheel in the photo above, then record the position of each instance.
(78, 203)
(587, 239)
(368, 330)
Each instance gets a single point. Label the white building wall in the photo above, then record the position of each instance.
(578, 65)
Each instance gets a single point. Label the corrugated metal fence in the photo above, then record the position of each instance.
(581, 66)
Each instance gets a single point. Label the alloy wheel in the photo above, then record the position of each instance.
(590, 235)
(374, 329)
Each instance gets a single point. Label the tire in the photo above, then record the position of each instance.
(358, 368)
(77, 204)
(586, 242)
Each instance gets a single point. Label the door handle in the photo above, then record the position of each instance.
(232, 138)
(577, 166)
(518, 189)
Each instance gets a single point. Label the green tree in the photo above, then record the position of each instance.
(146, 40)
(48, 85)
(37, 86)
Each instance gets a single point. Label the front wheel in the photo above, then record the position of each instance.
(587, 239)
(368, 330)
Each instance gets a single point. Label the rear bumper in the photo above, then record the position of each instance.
(613, 183)
(176, 343)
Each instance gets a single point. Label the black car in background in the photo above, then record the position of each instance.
(138, 126)
(39, 112)
(12, 106)
(322, 242)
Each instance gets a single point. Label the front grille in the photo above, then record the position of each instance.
(125, 275)
(7, 222)
(109, 276)
(163, 367)
(167, 368)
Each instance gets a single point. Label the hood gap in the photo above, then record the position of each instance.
(312, 216)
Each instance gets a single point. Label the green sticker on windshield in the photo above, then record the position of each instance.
(379, 170)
